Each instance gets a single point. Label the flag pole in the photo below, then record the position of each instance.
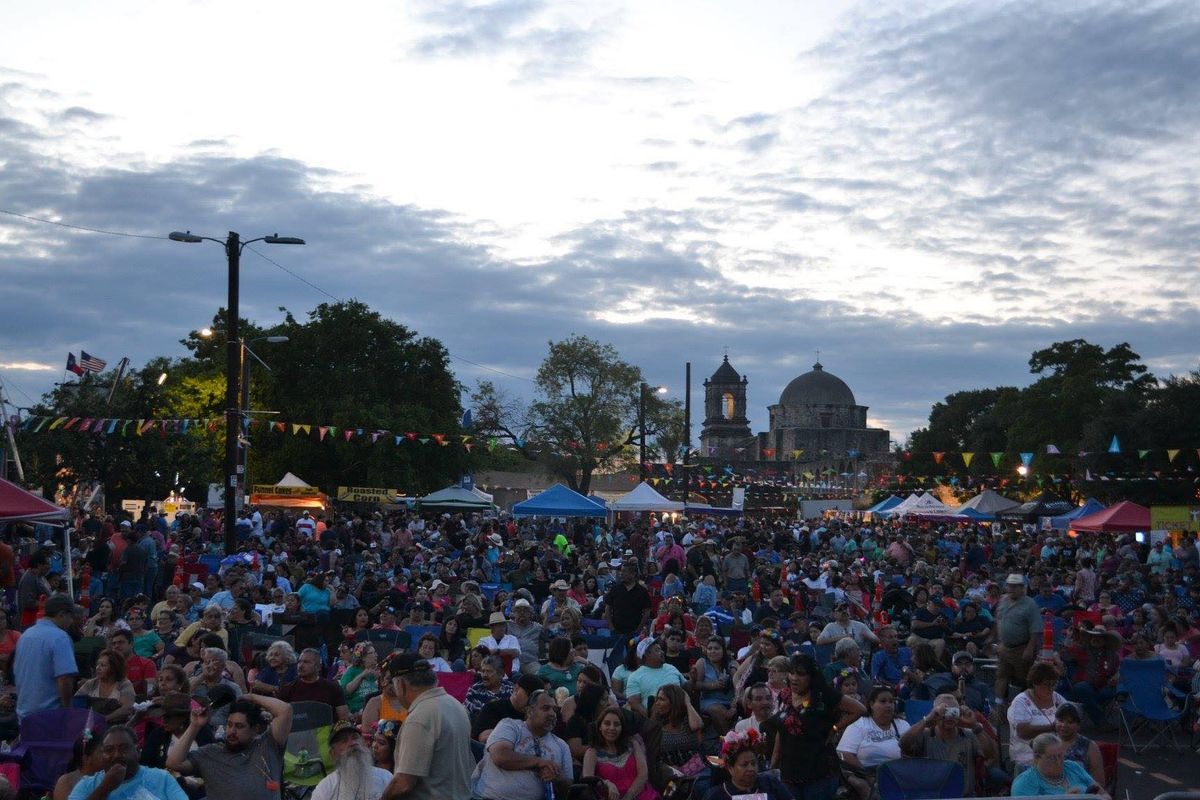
(120, 373)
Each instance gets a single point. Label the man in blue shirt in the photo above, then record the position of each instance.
(44, 662)
(123, 777)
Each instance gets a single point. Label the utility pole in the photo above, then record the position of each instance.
(233, 245)
(687, 433)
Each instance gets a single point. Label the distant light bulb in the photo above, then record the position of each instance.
(162, 379)
(206, 332)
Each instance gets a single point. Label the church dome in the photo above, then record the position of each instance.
(817, 388)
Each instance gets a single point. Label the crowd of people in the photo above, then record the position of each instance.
(461, 656)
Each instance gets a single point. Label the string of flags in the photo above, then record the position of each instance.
(106, 426)
(1028, 457)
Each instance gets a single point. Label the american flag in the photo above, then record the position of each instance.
(91, 363)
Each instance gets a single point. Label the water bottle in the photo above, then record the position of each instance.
(547, 790)
(302, 757)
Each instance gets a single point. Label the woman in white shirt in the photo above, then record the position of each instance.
(871, 740)
(1033, 712)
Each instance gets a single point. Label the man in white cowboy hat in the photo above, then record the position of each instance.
(502, 643)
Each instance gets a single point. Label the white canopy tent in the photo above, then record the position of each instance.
(988, 502)
(920, 505)
(644, 498)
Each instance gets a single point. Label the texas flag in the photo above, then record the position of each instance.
(72, 366)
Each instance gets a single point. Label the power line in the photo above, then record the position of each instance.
(8, 383)
(82, 227)
(300, 278)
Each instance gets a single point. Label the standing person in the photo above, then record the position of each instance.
(808, 710)
(132, 566)
(626, 611)
(437, 723)
(32, 586)
(150, 579)
(44, 667)
(124, 778)
(248, 765)
(1018, 627)
(735, 569)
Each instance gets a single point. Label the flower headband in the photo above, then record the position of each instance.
(735, 743)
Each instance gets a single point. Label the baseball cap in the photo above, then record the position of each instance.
(962, 655)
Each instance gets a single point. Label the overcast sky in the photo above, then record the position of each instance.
(924, 192)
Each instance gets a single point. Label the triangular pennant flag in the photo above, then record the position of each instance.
(1115, 446)
(423, 439)
(58, 422)
(139, 430)
(1171, 454)
(332, 429)
(307, 429)
(1026, 458)
(112, 426)
(966, 457)
(321, 431)
(85, 424)
(125, 427)
(150, 423)
(281, 426)
(1052, 450)
(440, 438)
(412, 437)
(185, 425)
(399, 439)
(468, 446)
(296, 428)
(466, 439)
(938, 456)
(491, 445)
(375, 436)
(346, 434)
(996, 459)
(99, 426)
(1143, 453)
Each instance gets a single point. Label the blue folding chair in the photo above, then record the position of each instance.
(915, 710)
(919, 779)
(1145, 705)
(823, 654)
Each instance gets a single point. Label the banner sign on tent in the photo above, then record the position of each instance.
(295, 491)
(1175, 518)
(366, 494)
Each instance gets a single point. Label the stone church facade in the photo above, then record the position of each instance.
(816, 425)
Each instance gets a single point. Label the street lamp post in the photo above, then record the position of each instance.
(233, 245)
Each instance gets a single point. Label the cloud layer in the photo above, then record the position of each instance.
(973, 183)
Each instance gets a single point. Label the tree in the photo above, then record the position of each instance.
(348, 366)
(146, 465)
(585, 415)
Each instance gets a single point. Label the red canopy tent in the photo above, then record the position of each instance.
(18, 505)
(1123, 517)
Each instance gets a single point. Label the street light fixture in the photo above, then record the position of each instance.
(233, 245)
(162, 379)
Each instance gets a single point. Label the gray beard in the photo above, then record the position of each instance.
(354, 773)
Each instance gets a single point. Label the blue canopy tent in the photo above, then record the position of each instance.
(885, 505)
(559, 501)
(972, 514)
(1063, 521)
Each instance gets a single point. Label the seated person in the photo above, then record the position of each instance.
(521, 756)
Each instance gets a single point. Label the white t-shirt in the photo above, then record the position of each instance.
(306, 526)
(1024, 710)
(750, 723)
(873, 745)
(509, 642)
(327, 789)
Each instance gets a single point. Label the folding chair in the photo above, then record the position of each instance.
(1145, 705)
(823, 654)
(254, 643)
(915, 710)
(46, 742)
(919, 779)
(415, 632)
(87, 650)
(306, 758)
(475, 635)
(456, 684)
